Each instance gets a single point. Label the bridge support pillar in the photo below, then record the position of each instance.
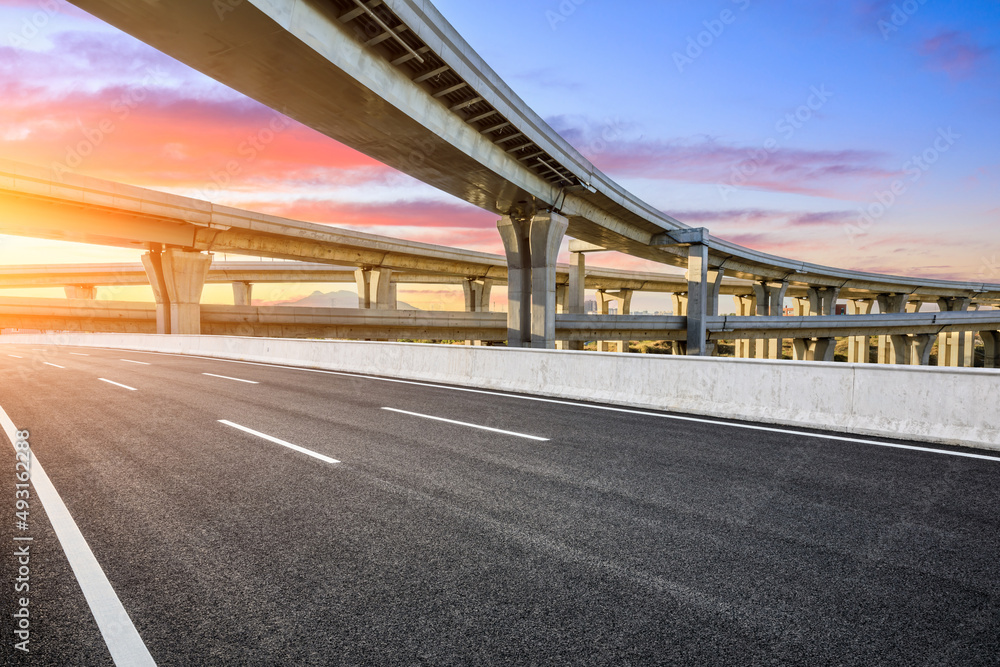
(814, 349)
(177, 278)
(746, 306)
(477, 299)
(823, 300)
(859, 347)
(770, 301)
(88, 292)
(889, 303)
(991, 348)
(912, 349)
(702, 299)
(532, 245)
(623, 298)
(680, 302)
(576, 291)
(375, 288)
(956, 348)
(243, 294)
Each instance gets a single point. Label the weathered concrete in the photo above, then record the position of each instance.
(956, 348)
(623, 299)
(770, 298)
(242, 294)
(889, 303)
(943, 405)
(991, 348)
(177, 278)
(859, 347)
(88, 292)
(532, 245)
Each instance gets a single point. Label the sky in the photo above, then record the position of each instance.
(861, 133)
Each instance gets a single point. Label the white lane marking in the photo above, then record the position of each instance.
(271, 438)
(226, 377)
(452, 421)
(123, 386)
(123, 640)
(144, 363)
(79, 354)
(15, 356)
(606, 408)
(51, 364)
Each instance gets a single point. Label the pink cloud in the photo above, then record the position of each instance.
(396, 214)
(953, 52)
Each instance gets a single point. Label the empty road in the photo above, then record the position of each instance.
(248, 514)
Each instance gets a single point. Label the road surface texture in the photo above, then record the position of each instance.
(247, 514)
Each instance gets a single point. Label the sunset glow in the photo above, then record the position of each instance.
(792, 149)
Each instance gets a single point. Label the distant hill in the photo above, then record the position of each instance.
(338, 299)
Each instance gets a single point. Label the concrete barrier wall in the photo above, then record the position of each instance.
(944, 405)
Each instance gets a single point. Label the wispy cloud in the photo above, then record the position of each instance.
(954, 52)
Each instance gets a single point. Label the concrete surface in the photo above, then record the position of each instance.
(944, 405)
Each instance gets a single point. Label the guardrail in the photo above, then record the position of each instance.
(945, 405)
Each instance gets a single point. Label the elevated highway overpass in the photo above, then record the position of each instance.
(394, 80)
(177, 231)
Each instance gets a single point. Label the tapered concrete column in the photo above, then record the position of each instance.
(624, 300)
(702, 298)
(680, 303)
(859, 347)
(477, 295)
(770, 301)
(375, 288)
(956, 348)
(746, 306)
(88, 292)
(153, 263)
(814, 349)
(823, 300)
(991, 348)
(243, 294)
(178, 277)
(477, 299)
(913, 349)
(889, 303)
(532, 246)
(576, 294)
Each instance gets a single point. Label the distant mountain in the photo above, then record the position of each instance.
(338, 299)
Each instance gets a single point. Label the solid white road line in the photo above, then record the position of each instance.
(51, 364)
(606, 408)
(15, 356)
(123, 640)
(226, 377)
(123, 386)
(144, 363)
(483, 428)
(265, 436)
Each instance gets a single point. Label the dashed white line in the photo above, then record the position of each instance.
(278, 441)
(452, 421)
(131, 361)
(117, 384)
(123, 640)
(15, 356)
(226, 377)
(48, 363)
(607, 408)
(79, 354)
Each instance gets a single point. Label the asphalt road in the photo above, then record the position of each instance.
(622, 538)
